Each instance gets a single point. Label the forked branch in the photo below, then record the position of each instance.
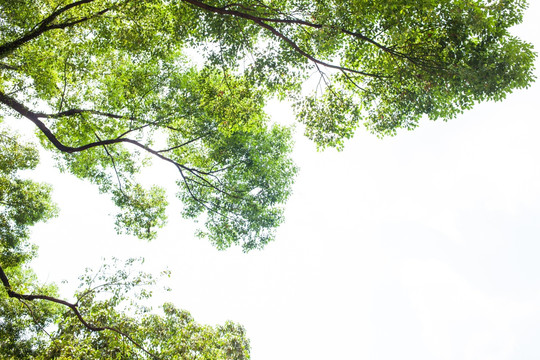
(47, 25)
(35, 118)
(264, 23)
(73, 307)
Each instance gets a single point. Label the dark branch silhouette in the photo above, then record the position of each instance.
(73, 307)
(35, 118)
(46, 25)
(262, 22)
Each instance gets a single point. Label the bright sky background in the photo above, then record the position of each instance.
(421, 246)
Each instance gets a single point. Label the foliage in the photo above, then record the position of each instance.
(106, 321)
(23, 202)
(23, 324)
(110, 84)
(114, 83)
(109, 320)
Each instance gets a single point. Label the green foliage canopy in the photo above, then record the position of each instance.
(108, 320)
(111, 84)
(23, 202)
(114, 84)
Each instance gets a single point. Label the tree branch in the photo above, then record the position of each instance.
(9, 67)
(262, 22)
(294, 21)
(34, 117)
(72, 307)
(184, 144)
(45, 26)
(72, 112)
(26, 305)
(114, 166)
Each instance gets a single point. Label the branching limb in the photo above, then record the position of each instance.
(73, 307)
(295, 21)
(35, 118)
(46, 25)
(263, 22)
(204, 204)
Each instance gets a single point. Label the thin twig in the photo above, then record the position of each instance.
(72, 307)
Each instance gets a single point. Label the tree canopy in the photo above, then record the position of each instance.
(112, 84)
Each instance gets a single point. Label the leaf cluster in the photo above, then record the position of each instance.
(23, 202)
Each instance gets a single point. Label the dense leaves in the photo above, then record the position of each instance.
(108, 320)
(115, 84)
(22, 202)
(112, 84)
(23, 324)
(117, 89)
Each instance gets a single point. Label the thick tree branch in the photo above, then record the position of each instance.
(73, 307)
(295, 21)
(35, 118)
(46, 25)
(72, 112)
(262, 22)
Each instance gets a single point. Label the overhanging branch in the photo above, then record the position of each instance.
(73, 307)
(35, 118)
(225, 10)
(263, 22)
(46, 25)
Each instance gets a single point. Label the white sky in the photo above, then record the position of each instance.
(421, 246)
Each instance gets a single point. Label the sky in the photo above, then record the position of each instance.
(419, 246)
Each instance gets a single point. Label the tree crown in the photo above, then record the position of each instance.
(111, 84)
